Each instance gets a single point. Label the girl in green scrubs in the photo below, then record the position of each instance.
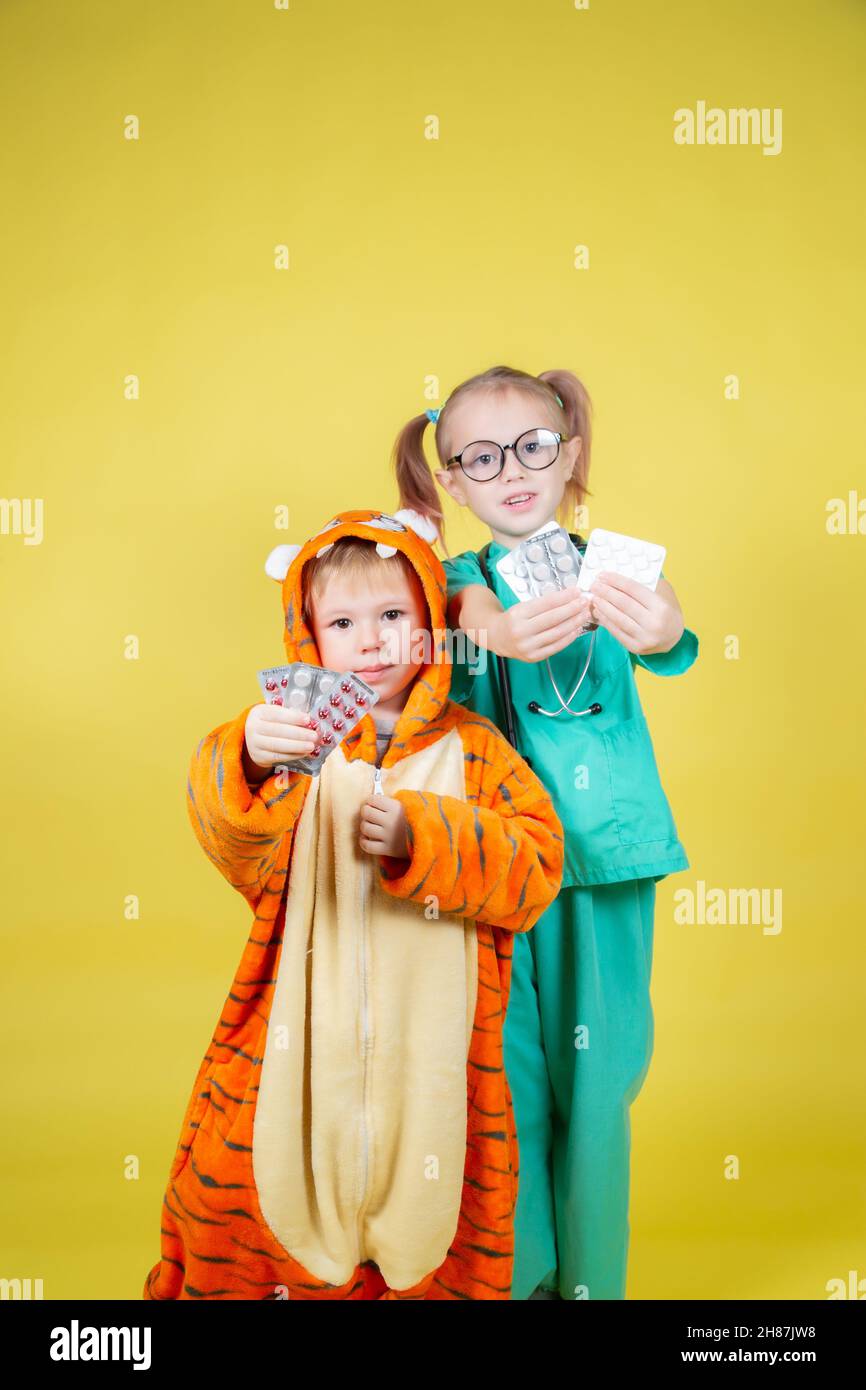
(579, 1027)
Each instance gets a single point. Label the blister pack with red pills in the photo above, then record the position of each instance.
(334, 700)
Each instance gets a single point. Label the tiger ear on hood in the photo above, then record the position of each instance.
(421, 525)
(278, 562)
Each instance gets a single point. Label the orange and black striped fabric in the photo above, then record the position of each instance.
(488, 851)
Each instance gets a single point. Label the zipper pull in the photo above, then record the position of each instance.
(377, 782)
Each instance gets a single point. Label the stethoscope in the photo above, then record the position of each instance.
(565, 705)
(534, 707)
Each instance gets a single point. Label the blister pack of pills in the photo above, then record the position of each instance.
(542, 564)
(626, 555)
(335, 700)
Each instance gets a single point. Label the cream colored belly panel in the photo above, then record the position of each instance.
(359, 1141)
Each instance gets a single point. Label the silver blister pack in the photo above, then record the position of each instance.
(542, 564)
(336, 700)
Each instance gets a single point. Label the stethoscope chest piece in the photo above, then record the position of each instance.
(535, 708)
(565, 705)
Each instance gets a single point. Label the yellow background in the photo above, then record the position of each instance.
(413, 259)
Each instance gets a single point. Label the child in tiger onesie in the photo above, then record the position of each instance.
(350, 1134)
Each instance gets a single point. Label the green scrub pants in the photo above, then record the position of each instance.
(582, 974)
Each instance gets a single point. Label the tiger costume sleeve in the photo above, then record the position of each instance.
(240, 828)
(498, 855)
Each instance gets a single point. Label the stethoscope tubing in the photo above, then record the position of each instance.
(534, 707)
(565, 705)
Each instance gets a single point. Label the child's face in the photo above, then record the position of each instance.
(371, 628)
(503, 416)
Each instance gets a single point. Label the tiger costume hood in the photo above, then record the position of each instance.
(430, 689)
(350, 1131)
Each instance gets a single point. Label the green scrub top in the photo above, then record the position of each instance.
(600, 769)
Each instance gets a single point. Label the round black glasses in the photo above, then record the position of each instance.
(484, 460)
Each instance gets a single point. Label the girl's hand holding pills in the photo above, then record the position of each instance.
(276, 735)
(540, 627)
(644, 620)
(384, 827)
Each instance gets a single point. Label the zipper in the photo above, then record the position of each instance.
(367, 1033)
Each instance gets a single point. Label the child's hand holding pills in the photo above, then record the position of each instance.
(384, 827)
(540, 627)
(277, 734)
(644, 620)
